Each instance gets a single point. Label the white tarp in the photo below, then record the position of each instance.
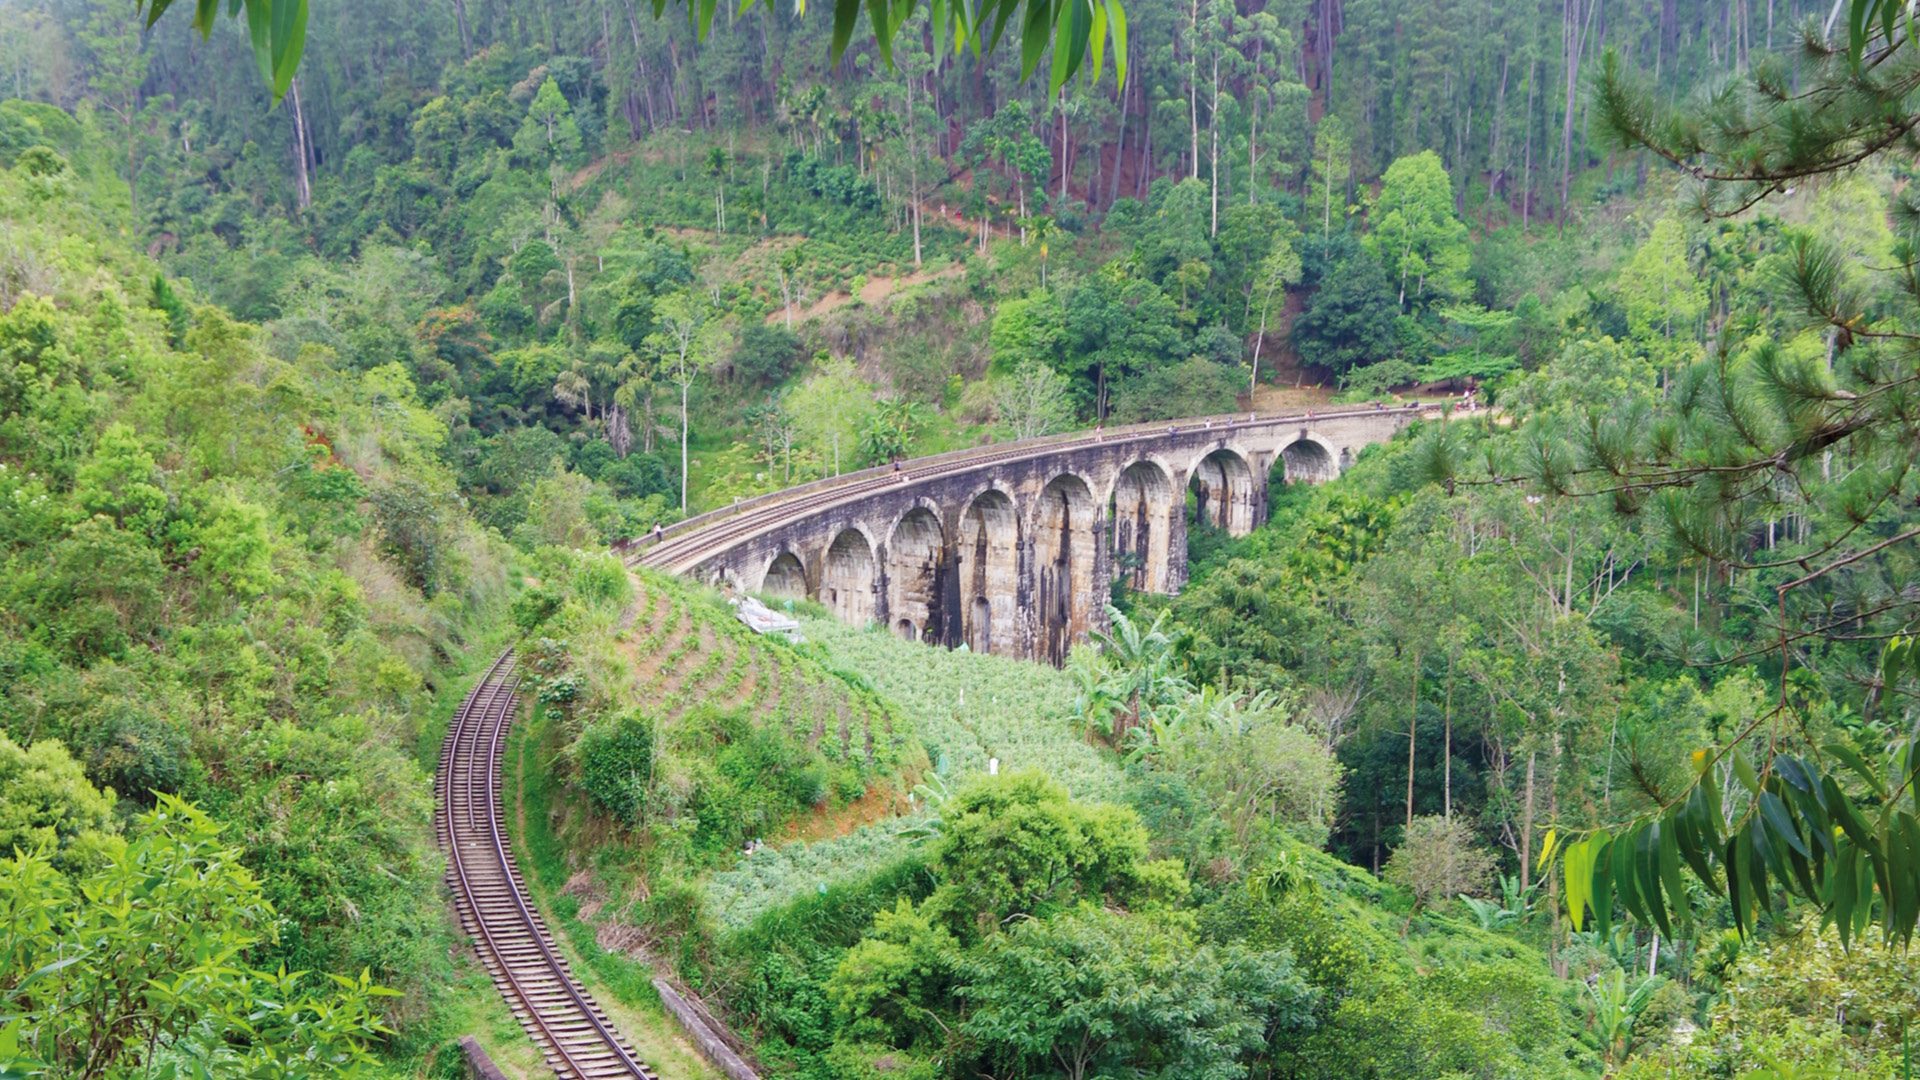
(764, 620)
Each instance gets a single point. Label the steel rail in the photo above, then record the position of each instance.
(573, 1034)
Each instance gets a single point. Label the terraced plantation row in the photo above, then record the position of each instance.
(688, 651)
(968, 709)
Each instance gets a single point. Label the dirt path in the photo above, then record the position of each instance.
(876, 289)
(1287, 398)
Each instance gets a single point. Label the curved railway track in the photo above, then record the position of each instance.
(701, 537)
(564, 1022)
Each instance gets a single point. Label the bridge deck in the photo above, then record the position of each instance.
(688, 543)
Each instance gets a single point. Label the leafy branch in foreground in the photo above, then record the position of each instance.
(1834, 829)
(1079, 31)
(277, 28)
(136, 963)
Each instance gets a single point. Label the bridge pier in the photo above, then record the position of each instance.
(1177, 548)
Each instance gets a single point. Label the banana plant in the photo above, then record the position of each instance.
(1488, 913)
(1616, 1007)
(933, 794)
(1512, 909)
(1093, 702)
(1140, 664)
(1515, 899)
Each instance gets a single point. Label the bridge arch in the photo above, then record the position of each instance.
(916, 561)
(1065, 526)
(785, 576)
(849, 576)
(1223, 482)
(986, 557)
(1142, 505)
(1309, 459)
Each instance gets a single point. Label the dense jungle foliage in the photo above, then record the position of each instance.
(1570, 737)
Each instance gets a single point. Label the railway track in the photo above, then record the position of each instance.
(578, 1041)
(704, 536)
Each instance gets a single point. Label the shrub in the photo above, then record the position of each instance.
(615, 758)
(45, 800)
(766, 355)
(868, 1061)
(1017, 845)
(637, 476)
(531, 609)
(144, 957)
(1439, 859)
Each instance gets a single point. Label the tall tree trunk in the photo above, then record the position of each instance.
(1326, 220)
(913, 174)
(1253, 155)
(1330, 39)
(1446, 773)
(1574, 32)
(640, 65)
(699, 88)
(1146, 146)
(466, 34)
(1066, 161)
(1526, 827)
(1526, 168)
(1413, 731)
(302, 149)
(1193, 89)
(1213, 128)
(672, 79)
(1404, 256)
(1253, 127)
(619, 434)
(1259, 339)
(1495, 171)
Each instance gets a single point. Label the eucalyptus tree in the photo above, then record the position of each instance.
(1280, 269)
(1273, 93)
(1415, 234)
(1332, 170)
(689, 341)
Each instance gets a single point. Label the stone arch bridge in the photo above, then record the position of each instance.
(1012, 548)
